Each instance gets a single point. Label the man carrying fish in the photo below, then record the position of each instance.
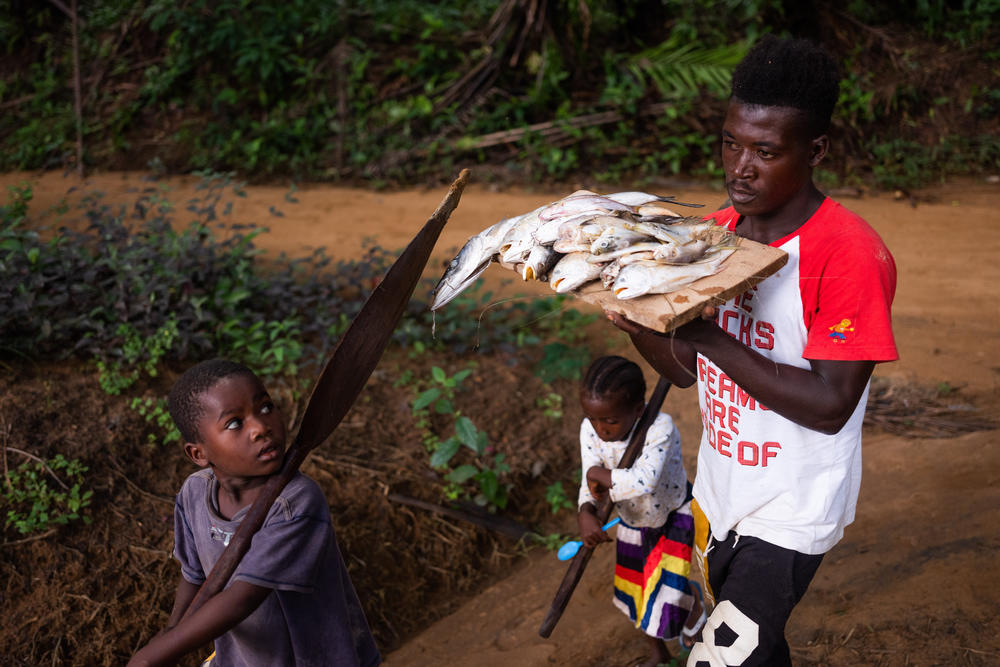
(782, 401)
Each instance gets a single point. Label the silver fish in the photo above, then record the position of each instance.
(586, 229)
(613, 268)
(650, 245)
(474, 257)
(635, 198)
(580, 204)
(612, 239)
(566, 246)
(547, 232)
(656, 209)
(641, 198)
(678, 230)
(609, 273)
(518, 241)
(539, 262)
(573, 271)
(653, 277)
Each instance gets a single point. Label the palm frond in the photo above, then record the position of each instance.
(686, 70)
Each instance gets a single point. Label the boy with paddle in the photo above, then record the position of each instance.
(782, 381)
(291, 601)
(255, 489)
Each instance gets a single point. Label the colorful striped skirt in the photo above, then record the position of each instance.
(651, 574)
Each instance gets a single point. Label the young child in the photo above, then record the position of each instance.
(290, 601)
(652, 500)
(782, 398)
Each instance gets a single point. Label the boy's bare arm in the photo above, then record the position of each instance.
(182, 599)
(218, 615)
(821, 397)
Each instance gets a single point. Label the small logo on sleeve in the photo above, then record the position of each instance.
(838, 332)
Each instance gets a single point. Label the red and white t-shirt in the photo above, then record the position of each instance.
(759, 473)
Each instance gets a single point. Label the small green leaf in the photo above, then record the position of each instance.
(462, 473)
(467, 433)
(426, 398)
(488, 483)
(444, 452)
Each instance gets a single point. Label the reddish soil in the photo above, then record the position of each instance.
(912, 583)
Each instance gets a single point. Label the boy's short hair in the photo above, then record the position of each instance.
(184, 402)
(793, 73)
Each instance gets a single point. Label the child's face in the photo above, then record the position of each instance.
(242, 431)
(611, 416)
(766, 156)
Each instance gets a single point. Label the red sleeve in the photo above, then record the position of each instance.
(848, 280)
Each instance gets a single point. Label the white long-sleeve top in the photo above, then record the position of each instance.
(655, 485)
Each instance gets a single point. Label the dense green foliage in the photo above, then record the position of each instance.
(403, 91)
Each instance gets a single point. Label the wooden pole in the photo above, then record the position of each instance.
(342, 379)
(582, 557)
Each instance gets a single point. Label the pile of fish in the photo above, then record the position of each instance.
(631, 241)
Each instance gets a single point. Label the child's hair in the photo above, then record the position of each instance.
(790, 73)
(612, 375)
(184, 402)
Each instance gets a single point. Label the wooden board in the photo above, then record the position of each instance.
(750, 264)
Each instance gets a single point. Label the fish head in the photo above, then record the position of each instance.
(539, 262)
(474, 257)
(571, 272)
(633, 280)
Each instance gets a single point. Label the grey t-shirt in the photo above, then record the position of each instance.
(313, 616)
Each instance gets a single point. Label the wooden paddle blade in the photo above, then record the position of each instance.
(361, 346)
(342, 379)
(579, 562)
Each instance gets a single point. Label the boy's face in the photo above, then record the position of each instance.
(611, 416)
(767, 156)
(241, 431)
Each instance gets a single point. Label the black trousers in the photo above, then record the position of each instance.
(756, 585)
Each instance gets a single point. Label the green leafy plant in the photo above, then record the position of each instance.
(551, 405)
(34, 506)
(136, 355)
(439, 397)
(154, 411)
(272, 348)
(551, 541)
(557, 499)
(486, 469)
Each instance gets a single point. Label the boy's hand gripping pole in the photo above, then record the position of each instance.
(344, 376)
(582, 557)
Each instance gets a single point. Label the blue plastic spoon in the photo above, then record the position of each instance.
(569, 549)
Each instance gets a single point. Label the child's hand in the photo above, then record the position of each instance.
(590, 528)
(599, 481)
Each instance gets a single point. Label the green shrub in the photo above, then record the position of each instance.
(32, 505)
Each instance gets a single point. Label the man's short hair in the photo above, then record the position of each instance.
(185, 403)
(793, 73)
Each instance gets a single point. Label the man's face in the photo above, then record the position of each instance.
(767, 157)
